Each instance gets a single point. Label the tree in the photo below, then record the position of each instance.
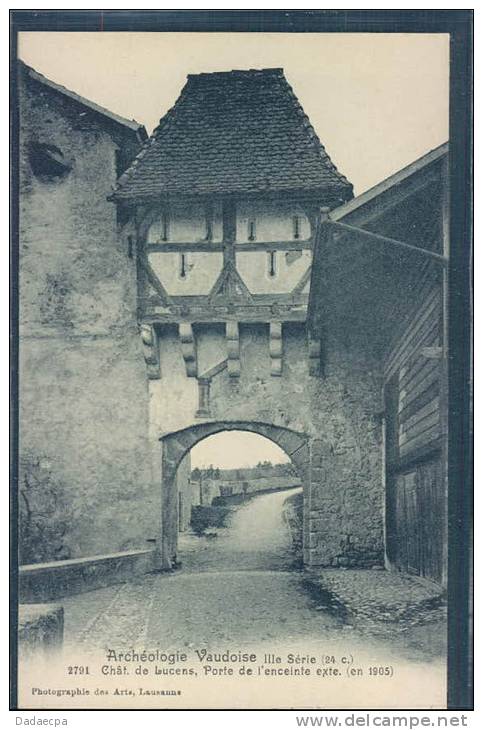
(210, 472)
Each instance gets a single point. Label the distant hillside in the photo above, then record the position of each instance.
(264, 470)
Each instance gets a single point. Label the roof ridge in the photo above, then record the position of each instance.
(276, 71)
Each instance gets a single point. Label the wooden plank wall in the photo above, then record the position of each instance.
(414, 426)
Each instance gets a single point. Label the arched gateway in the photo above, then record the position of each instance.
(223, 247)
(177, 444)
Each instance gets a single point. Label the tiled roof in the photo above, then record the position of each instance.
(111, 116)
(234, 132)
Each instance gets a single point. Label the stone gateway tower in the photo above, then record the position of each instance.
(220, 208)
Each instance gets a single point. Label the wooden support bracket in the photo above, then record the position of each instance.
(276, 348)
(233, 349)
(188, 348)
(150, 342)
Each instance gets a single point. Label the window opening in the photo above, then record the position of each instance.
(165, 227)
(272, 264)
(182, 266)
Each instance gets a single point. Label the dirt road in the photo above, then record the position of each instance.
(256, 538)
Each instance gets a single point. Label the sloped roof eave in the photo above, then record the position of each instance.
(315, 193)
(130, 124)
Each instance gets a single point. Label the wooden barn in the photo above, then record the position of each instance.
(380, 276)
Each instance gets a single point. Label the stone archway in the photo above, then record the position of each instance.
(177, 444)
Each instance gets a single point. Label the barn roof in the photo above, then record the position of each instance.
(234, 132)
(381, 277)
(107, 115)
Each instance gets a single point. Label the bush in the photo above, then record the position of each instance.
(202, 518)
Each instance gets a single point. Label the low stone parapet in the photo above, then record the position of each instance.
(43, 582)
(40, 629)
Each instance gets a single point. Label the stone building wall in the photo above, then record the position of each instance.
(83, 390)
(339, 412)
(188, 494)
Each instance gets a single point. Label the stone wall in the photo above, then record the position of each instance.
(339, 412)
(50, 581)
(221, 488)
(40, 630)
(83, 391)
(188, 494)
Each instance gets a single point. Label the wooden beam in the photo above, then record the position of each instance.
(210, 247)
(201, 300)
(303, 281)
(276, 348)
(392, 242)
(220, 314)
(188, 348)
(209, 216)
(317, 301)
(193, 247)
(233, 349)
(153, 280)
(229, 231)
(275, 246)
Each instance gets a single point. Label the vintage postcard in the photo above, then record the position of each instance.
(234, 331)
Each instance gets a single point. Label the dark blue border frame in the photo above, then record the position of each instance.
(459, 24)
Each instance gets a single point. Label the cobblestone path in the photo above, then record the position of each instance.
(235, 593)
(236, 589)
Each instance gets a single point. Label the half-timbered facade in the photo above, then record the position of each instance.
(222, 201)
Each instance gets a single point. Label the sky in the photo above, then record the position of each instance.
(236, 449)
(377, 101)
